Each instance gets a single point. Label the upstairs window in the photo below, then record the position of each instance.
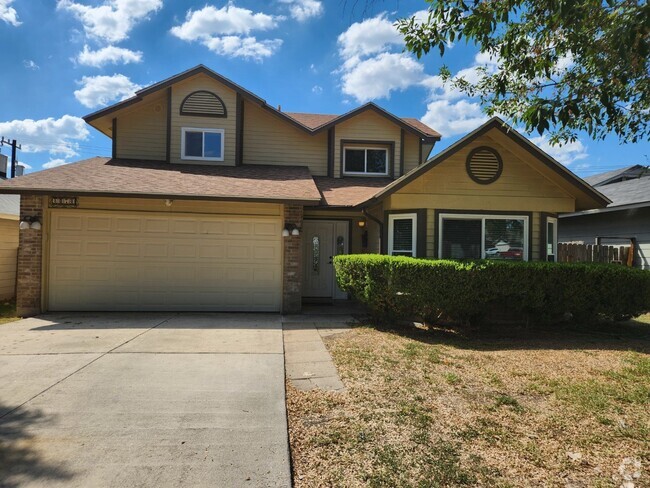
(371, 161)
(202, 144)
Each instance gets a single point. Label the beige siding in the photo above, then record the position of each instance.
(8, 256)
(270, 140)
(228, 124)
(142, 131)
(367, 126)
(411, 152)
(521, 188)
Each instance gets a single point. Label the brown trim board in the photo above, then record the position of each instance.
(239, 130)
(401, 152)
(168, 141)
(331, 144)
(114, 138)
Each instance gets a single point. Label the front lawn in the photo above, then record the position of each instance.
(436, 407)
(7, 312)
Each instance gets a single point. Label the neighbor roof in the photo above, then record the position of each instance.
(157, 179)
(493, 123)
(636, 190)
(607, 177)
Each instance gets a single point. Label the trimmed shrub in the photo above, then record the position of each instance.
(469, 291)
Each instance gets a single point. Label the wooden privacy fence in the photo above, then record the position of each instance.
(592, 253)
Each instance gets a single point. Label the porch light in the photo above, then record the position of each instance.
(361, 223)
(29, 222)
(290, 230)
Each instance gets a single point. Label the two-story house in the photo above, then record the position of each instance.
(214, 200)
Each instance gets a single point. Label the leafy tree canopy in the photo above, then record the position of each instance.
(562, 66)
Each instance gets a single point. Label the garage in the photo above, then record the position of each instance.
(132, 261)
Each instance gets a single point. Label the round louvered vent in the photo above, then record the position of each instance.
(484, 165)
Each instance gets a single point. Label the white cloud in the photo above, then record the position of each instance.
(453, 118)
(317, 89)
(113, 20)
(303, 10)
(368, 37)
(378, 76)
(565, 154)
(8, 14)
(97, 91)
(53, 163)
(243, 47)
(108, 55)
(225, 31)
(30, 64)
(55, 136)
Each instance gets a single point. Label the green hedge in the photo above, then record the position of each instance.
(469, 291)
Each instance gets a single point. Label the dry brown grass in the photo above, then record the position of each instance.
(7, 312)
(427, 408)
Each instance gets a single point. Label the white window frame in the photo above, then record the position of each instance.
(483, 218)
(414, 240)
(554, 221)
(365, 162)
(203, 130)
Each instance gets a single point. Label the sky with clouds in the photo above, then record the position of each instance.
(66, 58)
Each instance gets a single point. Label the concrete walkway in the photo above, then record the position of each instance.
(308, 362)
(102, 400)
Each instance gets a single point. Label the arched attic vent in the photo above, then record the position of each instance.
(203, 103)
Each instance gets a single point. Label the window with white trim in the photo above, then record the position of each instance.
(551, 239)
(468, 236)
(202, 144)
(402, 234)
(371, 161)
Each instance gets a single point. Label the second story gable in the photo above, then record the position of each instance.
(199, 117)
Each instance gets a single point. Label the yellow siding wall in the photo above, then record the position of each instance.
(411, 152)
(367, 126)
(521, 188)
(142, 131)
(269, 140)
(8, 256)
(229, 97)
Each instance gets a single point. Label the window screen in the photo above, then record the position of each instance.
(194, 144)
(403, 244)
(461, 239)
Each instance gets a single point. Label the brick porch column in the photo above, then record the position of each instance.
(292, 272)
(30, 259)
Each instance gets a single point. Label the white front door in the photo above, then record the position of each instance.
(322, 240)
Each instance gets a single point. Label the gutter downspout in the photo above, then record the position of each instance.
(365, 213)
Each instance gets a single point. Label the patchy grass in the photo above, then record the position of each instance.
(439, 408)
(8, 312)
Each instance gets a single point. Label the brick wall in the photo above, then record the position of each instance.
(30, 258)
(292, 272)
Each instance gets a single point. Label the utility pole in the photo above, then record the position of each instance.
(14, 146)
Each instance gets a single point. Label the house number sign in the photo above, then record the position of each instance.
(64, 202)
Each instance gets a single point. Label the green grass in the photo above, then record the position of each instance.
(8, 312)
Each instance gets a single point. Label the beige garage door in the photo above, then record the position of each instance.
(149, 261)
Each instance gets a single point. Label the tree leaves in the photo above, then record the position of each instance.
(564, 66)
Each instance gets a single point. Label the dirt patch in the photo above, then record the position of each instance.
(431, 407)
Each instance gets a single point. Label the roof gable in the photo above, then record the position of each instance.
(574, 182)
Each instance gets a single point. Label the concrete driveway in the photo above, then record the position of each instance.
(143, 400)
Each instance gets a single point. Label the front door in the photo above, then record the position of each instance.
(322, 240)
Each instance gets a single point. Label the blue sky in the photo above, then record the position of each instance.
(63, 59)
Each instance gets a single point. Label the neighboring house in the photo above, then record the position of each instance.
(214, 200)
(9, 208)
(627, 217)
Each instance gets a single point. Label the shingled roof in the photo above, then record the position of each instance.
(157, 179)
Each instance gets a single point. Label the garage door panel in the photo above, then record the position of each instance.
(113, 261)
